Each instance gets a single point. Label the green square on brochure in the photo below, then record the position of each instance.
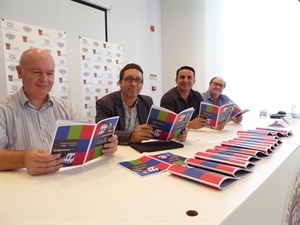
(209, 108)
(75, 132)
(162, 116)
(98, 151)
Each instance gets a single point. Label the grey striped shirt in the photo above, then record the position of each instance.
(23, 126)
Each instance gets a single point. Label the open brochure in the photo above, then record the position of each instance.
(152, 164)
(237, 111)
(167, 124)
(79, 142)
(144, 166)
(215, 114)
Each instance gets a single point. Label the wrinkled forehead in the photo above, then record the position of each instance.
(219, 80)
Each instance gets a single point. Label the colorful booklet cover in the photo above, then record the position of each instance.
(170, 158)
(237, 111)
(215, 180)
(234, 171)
(250, 158)
(145, 166)
(224, 159)
(79, 142)
(275, 131)
(215, 114)
(245, 151)
(273, 143)
(265, 149)
(152, 164)
(255, 134)
(167, 124)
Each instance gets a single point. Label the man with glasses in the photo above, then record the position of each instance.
(214, 95)
(183, 96)
(131, 107)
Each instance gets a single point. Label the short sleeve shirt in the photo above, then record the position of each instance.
(23, 126)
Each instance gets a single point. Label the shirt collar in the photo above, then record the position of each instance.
(209, 96)
(25, 101)
(191, 93)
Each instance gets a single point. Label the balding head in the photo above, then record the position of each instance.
(33, 53)
(219, 80)
(36, 69)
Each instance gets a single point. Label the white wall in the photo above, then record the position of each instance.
(128, 24)
(261, 52)
(63, 16)
(254, 45)
(183, 25)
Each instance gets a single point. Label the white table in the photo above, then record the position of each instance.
(101, 192)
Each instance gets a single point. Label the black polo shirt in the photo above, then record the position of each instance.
(173, 101)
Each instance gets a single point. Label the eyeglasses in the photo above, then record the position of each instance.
(218, 84)
(130, 80)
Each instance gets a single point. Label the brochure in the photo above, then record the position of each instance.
(167, 124)
(215, 114)
(80, 142)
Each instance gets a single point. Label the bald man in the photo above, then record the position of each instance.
(28, 118)
(214, 95)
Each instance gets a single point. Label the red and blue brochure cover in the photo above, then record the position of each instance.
(169, 158)
(266, 149)
(244, 151)
(80, 142)
(215, 114)
(145, 166)
(250, 158)
(275, 131)
(166, 124)
(216, 180)
(234, 171)
(224, 159)
(236, 111)
(152, 164)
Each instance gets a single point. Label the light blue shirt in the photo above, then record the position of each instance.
(23, 126)
(223, 99)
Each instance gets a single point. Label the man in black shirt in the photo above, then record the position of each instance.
(183, 96)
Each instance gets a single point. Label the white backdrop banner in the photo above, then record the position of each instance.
(18, 37)
(101, 63)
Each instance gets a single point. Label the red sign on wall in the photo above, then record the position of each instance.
(152, 28)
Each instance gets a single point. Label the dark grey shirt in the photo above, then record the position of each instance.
(173, 101)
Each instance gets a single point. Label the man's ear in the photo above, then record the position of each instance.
(19, 71)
